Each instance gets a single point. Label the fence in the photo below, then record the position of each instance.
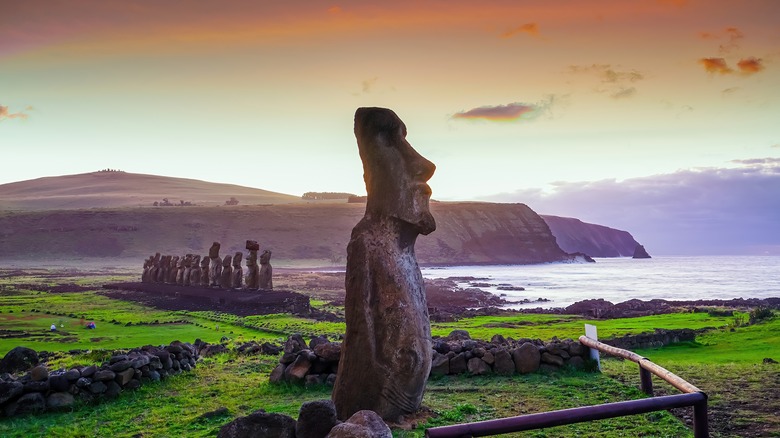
(691, 396)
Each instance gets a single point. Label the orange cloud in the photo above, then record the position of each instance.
(528, 28)
(511, 112)
(5, 113)
(716, 65)
(750, 65)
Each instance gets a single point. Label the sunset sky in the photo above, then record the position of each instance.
(661, 117)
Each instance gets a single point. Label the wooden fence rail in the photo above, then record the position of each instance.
(692, 396)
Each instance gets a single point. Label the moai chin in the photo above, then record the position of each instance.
(386, 353)
(265, 276)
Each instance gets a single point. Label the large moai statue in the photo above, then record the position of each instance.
(194, 278)
(204, 271)
(265, 280)
(173, 270)
(155, 271)
(216, 265)
(180, 271)
(162, 274)
(226, 276)
(147, 268)
(252, 269)
(187, 269)
(238, 271)
(386, 353)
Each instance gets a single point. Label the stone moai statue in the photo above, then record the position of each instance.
(215, 265)
(195, 271)
(165, 267)
(155, 271)
(226, 276)
(238, 271)
(265, 280)
(187, 269)
(180, 271)
(204, 271)
(147, 268)
(252, 269)
(173, 269)
(386, 353)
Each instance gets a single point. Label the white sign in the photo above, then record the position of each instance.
(592, 333)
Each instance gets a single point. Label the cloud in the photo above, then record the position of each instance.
(715, 65)
(623, 93)
(699, 211)
(368, 84)
(5, 113)
(614, 80)
(511, 112)
(750, 65)
(528, 28)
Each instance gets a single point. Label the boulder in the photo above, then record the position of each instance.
(329, 352)
(503, 363)
(296, 371)
(316, 419)
(60, 401)
(121, 365)
(123, 377)
(478, 367)
(440, 365)
(458, 335)
(527, 358)
(58, 383)
(362, 424)
(112, 389)
(277, 375)
(27, 404)
(39, 373)
(18, 359)
(552, 359)
(259, 424)
(9, 390)
(104, 375)
(97, 387)
(458, 364)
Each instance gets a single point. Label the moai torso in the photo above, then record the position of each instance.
(238, 271)
(226, 276)
(266, 271)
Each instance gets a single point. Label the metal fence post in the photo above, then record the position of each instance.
(700, 423)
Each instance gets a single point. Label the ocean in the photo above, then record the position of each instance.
(622, 279)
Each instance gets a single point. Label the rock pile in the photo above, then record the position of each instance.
(316, 419)
(310, 364)
(318, 361)
(40, 390)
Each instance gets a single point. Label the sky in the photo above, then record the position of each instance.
(659, 117)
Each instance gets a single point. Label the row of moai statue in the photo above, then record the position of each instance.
(211, 270)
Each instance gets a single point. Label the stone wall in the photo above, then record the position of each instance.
(660, 338)
(318, 361)
(40, 390)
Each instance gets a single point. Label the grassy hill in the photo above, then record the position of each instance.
(111, 189)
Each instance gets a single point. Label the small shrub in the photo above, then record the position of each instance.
(761, 313)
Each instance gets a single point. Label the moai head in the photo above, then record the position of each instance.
(227, 261)
(395, 174)
(237, 259)
(188, 261)
(157, 258)
(265, 257)
(181, 261)
(214, 250)
(252, 245)
(204, 263)
(174, 261)
(195, 261)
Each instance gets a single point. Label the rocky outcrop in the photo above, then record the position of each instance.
(641, 253)
(574, 235)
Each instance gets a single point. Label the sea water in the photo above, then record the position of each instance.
(622, 279)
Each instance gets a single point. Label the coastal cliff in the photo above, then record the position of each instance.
(467, 233)
(574, 235)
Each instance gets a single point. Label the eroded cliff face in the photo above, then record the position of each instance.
(487, 233)
(573, 235)
(467, 233)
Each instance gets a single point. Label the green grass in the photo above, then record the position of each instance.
(545, 327)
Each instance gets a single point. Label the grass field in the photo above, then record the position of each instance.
(726, 362)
